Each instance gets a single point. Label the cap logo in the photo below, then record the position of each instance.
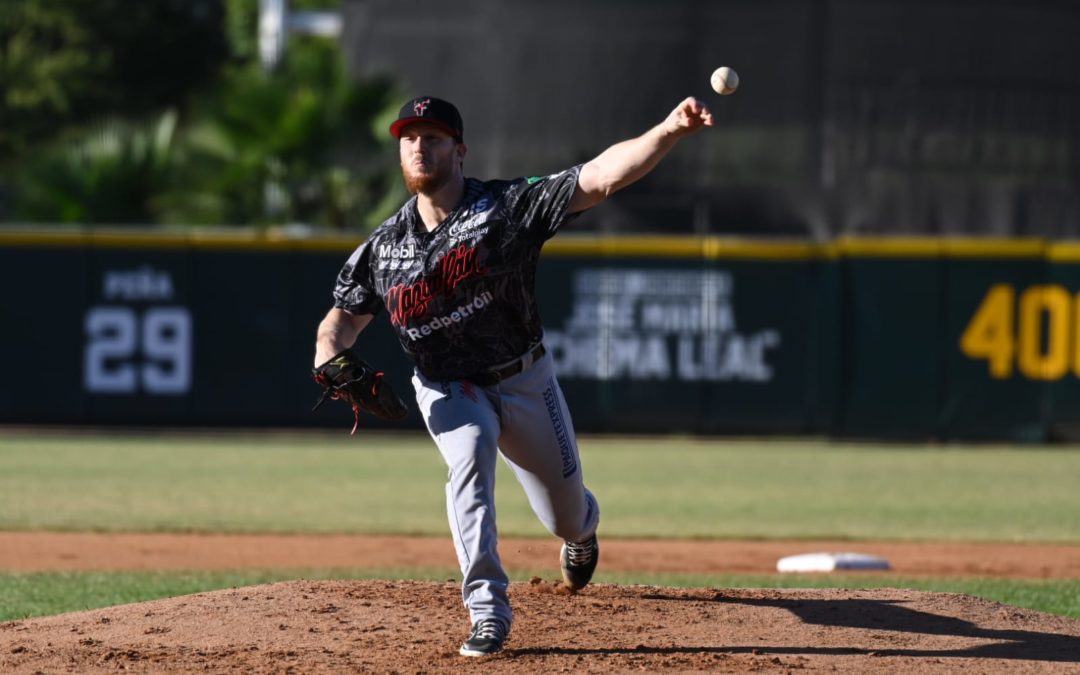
(420, 107)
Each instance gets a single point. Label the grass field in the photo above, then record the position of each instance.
(652, 487)
(647, 487)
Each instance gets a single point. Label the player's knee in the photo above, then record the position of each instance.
(470, 441)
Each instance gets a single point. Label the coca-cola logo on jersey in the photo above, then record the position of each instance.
(413, 301)
(467, 230)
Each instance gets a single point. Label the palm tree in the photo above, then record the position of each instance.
(112, 174)
(297, 145)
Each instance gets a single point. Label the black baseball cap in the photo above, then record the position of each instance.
(429, 109)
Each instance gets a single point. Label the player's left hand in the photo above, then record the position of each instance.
(689, 117)
(349, 379)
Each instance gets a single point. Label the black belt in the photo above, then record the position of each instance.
(494, 376)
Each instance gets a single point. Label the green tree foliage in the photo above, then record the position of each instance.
(66, 63)
(294, 145)
(189, 137)
(109, 175)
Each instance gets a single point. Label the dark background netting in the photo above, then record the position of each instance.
(854, 116)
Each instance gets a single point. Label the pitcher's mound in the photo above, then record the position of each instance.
(413, 627)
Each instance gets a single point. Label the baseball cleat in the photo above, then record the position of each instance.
(579, 562)
(487, 637)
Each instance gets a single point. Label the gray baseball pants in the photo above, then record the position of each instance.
(524, 419)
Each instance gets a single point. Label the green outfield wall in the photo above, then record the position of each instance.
(884, 338)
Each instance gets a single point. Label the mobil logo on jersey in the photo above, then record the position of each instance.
(392, 251)
(413, 301)
(395, 256)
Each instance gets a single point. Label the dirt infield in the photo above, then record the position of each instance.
(416, 627)
(38, 551)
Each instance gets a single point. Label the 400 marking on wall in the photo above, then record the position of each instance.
(1035, 333)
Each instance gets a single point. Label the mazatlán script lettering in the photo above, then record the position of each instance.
(410, 302)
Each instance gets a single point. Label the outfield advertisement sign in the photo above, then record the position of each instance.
(703, 346)
(642, 324)
(899, 339)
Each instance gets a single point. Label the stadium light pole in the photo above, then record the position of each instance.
(276, 23)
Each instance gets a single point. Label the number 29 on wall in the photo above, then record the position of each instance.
(1034, 334)
(127, 351)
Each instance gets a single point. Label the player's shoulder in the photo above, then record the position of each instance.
(510, 188)
(502, 184)
(396, 224)
(490, 188)
(526, 182)
(483, 195)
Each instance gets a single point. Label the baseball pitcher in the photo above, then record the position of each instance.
(455, 269)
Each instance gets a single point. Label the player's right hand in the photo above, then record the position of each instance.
(689, 117)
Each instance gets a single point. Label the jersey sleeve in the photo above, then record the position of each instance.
(354, 291)
(540, 203)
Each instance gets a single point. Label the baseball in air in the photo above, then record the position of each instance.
(724, 81)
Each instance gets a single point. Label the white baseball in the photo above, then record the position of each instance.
(724, 80)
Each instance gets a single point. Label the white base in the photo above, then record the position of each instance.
(830, 562)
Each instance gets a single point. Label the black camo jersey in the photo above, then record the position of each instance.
(461, 298)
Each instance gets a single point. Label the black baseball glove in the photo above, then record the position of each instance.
(349, 379)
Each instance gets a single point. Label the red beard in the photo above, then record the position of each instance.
(426, 183)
